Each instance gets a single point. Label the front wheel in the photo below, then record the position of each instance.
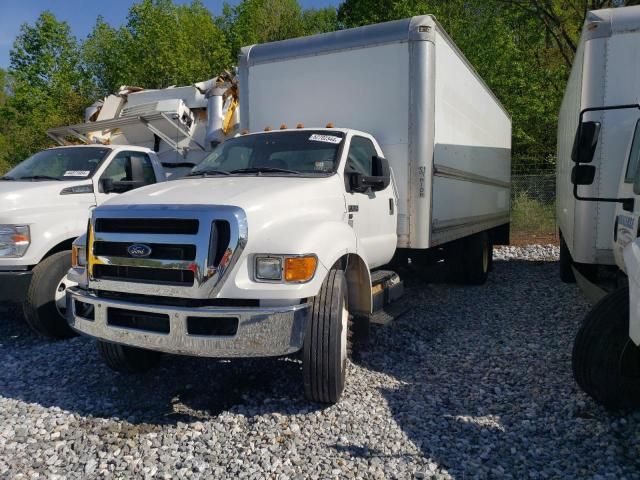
(45, 305)
(326, 342)
(606, 363)
(124, 359)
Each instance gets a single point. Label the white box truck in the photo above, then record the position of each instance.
(598, 182)
(274, 244)
(145, 136)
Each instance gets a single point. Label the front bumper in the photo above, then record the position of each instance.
(14, 285)
(261, 331)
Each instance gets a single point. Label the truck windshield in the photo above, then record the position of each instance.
(303, 152)
(69, 163)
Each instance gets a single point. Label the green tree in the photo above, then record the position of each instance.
(259, 21)
(319, 20)
(49, 87)
(161, 44)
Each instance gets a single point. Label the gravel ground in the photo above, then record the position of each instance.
(472, 382)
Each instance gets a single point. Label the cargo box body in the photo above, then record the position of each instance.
(445, 134)
(606, 72)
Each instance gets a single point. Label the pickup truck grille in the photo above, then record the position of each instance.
(175, 251)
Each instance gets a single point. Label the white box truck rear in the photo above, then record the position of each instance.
(447, 137)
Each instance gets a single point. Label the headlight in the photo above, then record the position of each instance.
(14, 240)
(78, 254)
(290, 268)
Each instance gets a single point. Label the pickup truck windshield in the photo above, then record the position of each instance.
(69, 163)
(303, 152)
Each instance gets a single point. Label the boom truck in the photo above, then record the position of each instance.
(276, 242)
(133, 138)
(598, 203)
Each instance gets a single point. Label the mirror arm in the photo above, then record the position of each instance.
(627, 203)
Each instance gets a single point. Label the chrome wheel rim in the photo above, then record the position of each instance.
(60, 295)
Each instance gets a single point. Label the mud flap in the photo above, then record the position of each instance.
(631, 254)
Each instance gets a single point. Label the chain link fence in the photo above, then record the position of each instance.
(533, 207)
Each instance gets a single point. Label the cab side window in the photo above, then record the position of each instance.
(634, 156)
(361, 153)
(120, 168)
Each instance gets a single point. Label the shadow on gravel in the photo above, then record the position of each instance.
(485, 382)
(70, 375)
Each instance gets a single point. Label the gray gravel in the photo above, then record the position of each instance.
(473, 382)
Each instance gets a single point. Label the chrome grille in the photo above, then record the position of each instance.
(188, 250)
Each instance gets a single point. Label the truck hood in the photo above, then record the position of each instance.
(16, 195)
(249, 193)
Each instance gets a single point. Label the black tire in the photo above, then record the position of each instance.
(566, 262)
(606, 363)
(39, 307)
(124, 359)
(326, 343)
(470, 259)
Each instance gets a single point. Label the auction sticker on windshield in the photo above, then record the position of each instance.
(77, 173)
(325, 138)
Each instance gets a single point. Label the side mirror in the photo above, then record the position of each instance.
(585, 142)
(380, 179)
(583, 174)
(134, 169)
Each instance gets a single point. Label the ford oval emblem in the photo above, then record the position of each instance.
(139, 250)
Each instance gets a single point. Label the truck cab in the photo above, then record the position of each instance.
(46, 201)
(266, 247)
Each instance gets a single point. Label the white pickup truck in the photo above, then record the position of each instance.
(46, 201)
(274, 243)
(598, 203)
(143, 136)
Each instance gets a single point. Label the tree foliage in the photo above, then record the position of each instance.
(523, 49)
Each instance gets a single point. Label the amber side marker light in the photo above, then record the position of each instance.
(300, 269)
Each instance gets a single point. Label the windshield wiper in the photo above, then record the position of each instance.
(204, 173)
(7, 178)
(264, 169)
(38, 177)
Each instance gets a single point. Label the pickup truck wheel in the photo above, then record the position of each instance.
(326, 344)
(45, 305)
(470, 259)
(566, 262)
(124, 359)
(606, 363)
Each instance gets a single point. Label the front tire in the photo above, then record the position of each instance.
(606, 363)
(124, 359)
(326, 343)
(45, 305)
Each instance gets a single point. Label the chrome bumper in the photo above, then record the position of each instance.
(261, 332)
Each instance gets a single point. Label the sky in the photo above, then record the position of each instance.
(82, 14)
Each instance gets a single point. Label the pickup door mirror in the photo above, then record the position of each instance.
(380, 179)
(134, 169)
(585, 142)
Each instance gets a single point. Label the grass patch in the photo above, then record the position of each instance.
(529, 215)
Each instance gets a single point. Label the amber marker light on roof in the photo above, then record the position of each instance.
(299, 125)
(283, 126)
(329, 125)
(244, 132)
(300, 269)
(267, 129)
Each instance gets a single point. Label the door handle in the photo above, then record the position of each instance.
(391, 206)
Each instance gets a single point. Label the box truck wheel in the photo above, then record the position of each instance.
(45, 305)
(606, 363)
(470, 259)
(566, 262)
(122, 358)
(326, 343)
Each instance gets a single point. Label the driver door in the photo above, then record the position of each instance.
(373, 215)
